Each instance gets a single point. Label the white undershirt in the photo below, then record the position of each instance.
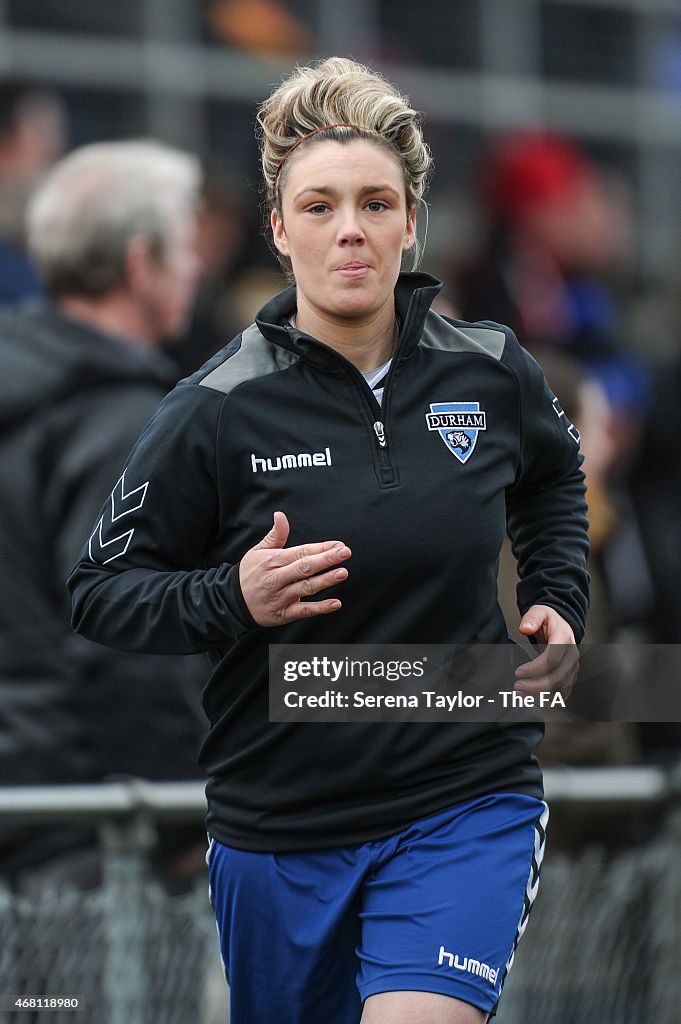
(376, 380)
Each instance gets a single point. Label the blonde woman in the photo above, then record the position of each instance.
(373, 872)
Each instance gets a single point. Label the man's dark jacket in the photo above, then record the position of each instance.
(72, 402)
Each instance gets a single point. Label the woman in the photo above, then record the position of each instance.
(381, 872)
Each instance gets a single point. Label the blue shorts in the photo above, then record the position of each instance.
(439, 907)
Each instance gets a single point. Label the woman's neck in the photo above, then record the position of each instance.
(366, 342)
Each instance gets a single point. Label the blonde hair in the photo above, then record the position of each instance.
(340, 100)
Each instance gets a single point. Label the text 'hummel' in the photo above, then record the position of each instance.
(301, 461)
(467, 963)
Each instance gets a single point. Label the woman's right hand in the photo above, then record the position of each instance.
(275, 579)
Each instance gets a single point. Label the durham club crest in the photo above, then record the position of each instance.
(458, 424)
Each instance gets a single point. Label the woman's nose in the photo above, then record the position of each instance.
(350, 231)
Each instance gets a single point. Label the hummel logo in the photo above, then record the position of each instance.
(122, 504)
(570, 427)
(291, 461)
(468, 964)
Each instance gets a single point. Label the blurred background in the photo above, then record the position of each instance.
(607, 73)
(555, 206)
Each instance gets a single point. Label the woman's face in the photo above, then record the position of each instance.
(344, 225)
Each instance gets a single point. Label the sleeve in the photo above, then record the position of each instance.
(144, 581)
(546, 506)
(95, 435)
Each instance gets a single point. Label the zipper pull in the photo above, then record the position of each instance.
(379, 430)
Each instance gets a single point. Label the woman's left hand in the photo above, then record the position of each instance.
(555, 669)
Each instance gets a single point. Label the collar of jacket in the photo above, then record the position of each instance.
(414, 294)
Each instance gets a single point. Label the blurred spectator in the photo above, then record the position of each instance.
(235, 282)
(655, 476)
(251, 288)
(265, 27)
(656, 488)
(220, 236)
(32, 136)
(557, 231)
(112, 230)
(553, 253)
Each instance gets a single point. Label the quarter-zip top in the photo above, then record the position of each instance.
(469, 442)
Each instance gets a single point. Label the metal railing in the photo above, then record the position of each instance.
(119, 802)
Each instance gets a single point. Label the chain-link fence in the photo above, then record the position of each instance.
(155, 961)
(603, 943)
(130, 951)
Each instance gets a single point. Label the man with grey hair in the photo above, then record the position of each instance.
(112, 231)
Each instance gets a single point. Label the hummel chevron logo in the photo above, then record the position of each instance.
(122, 504)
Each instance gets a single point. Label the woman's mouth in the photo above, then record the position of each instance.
(353, 270)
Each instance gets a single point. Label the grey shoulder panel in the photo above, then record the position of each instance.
(255, 357)
(440, 334)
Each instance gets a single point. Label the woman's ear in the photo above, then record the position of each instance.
(410, 231)
(278, 233)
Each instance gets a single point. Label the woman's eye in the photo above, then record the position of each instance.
(318, 208)
(375, 206)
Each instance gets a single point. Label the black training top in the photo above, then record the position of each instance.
(277, 420)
